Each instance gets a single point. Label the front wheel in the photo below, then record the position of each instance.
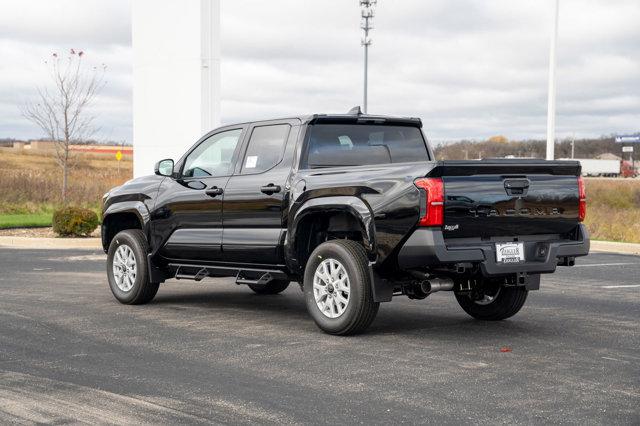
(494, 303)
(127, 269)
(337, 288)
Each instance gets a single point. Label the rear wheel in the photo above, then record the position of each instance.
(272, 287)
(493, 303)
(127, 269)
(337, 288)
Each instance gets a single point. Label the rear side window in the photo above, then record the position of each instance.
(265, 148)
(333, 145)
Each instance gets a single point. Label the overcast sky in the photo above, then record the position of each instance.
(469, 69)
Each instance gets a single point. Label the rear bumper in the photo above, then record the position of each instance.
(426, 247)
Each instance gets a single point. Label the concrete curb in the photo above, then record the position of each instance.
(614, 247)
(50, 243)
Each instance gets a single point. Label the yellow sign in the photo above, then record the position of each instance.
(119, 155)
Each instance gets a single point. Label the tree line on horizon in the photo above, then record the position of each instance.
(500, 147)
(494, 147)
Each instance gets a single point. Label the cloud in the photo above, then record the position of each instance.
(93, 22)
(30, 31)
(469, 69)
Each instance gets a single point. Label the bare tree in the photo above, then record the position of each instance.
(61, 110)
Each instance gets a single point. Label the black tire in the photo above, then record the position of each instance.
(272, 287)
(360, 309)
(142, 290)
(507, 303)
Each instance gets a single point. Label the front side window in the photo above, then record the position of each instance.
(213, 156)
(335, 145)
(265, 148)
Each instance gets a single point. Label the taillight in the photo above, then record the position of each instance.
(582, 197)
(433, 214)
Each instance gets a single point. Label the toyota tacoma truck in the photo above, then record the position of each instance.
(354, 208)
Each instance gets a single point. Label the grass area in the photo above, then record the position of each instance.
(30, 182)
(613, 209)
(24, 220)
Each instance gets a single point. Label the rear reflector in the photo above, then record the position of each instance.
(582, 196)
(433, 214)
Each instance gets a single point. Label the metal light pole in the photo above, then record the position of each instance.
(551, 104)
(368, 9)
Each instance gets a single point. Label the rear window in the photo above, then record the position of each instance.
(333, 145)
(265, 148)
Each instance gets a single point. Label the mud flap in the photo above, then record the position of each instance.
(382, 288)
(156, 275)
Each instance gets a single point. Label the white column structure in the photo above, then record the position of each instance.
(176, 77)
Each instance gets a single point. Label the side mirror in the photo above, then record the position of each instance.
(164, 167)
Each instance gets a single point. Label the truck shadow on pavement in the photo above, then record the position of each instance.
(242, 301)
(400, 317)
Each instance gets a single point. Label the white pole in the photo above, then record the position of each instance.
(366, 25)
(551, 104)
(366, 64)
(573, 147)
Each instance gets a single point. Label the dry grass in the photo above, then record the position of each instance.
(31, 182)
(613, 209)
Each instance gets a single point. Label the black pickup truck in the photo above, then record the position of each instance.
(354, 208)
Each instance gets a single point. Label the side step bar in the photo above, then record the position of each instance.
(262, 280)
(198, 276)
(243, 275)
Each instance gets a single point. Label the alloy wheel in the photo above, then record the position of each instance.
(331, 288)
(124, 267)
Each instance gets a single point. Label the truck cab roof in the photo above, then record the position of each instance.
(353, 118)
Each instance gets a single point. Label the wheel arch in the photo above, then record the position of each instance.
(121, 216)
(338, 214)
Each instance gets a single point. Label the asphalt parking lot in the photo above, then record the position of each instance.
(215, 352)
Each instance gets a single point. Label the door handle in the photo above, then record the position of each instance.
(214, 191)
(270, 189)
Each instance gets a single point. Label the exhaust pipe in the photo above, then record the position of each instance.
(423, 288)
(427, 285)
(436, 284)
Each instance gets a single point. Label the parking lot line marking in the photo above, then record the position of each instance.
(621, 286)
(607, 264)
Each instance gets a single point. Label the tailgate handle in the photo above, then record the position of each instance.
(516, 186)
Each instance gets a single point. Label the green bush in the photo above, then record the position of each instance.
(74, 221)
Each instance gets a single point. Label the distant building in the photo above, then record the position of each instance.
(44, 145)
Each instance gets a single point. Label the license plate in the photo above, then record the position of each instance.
(509, 252)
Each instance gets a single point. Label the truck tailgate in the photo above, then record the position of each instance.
(492, 198)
